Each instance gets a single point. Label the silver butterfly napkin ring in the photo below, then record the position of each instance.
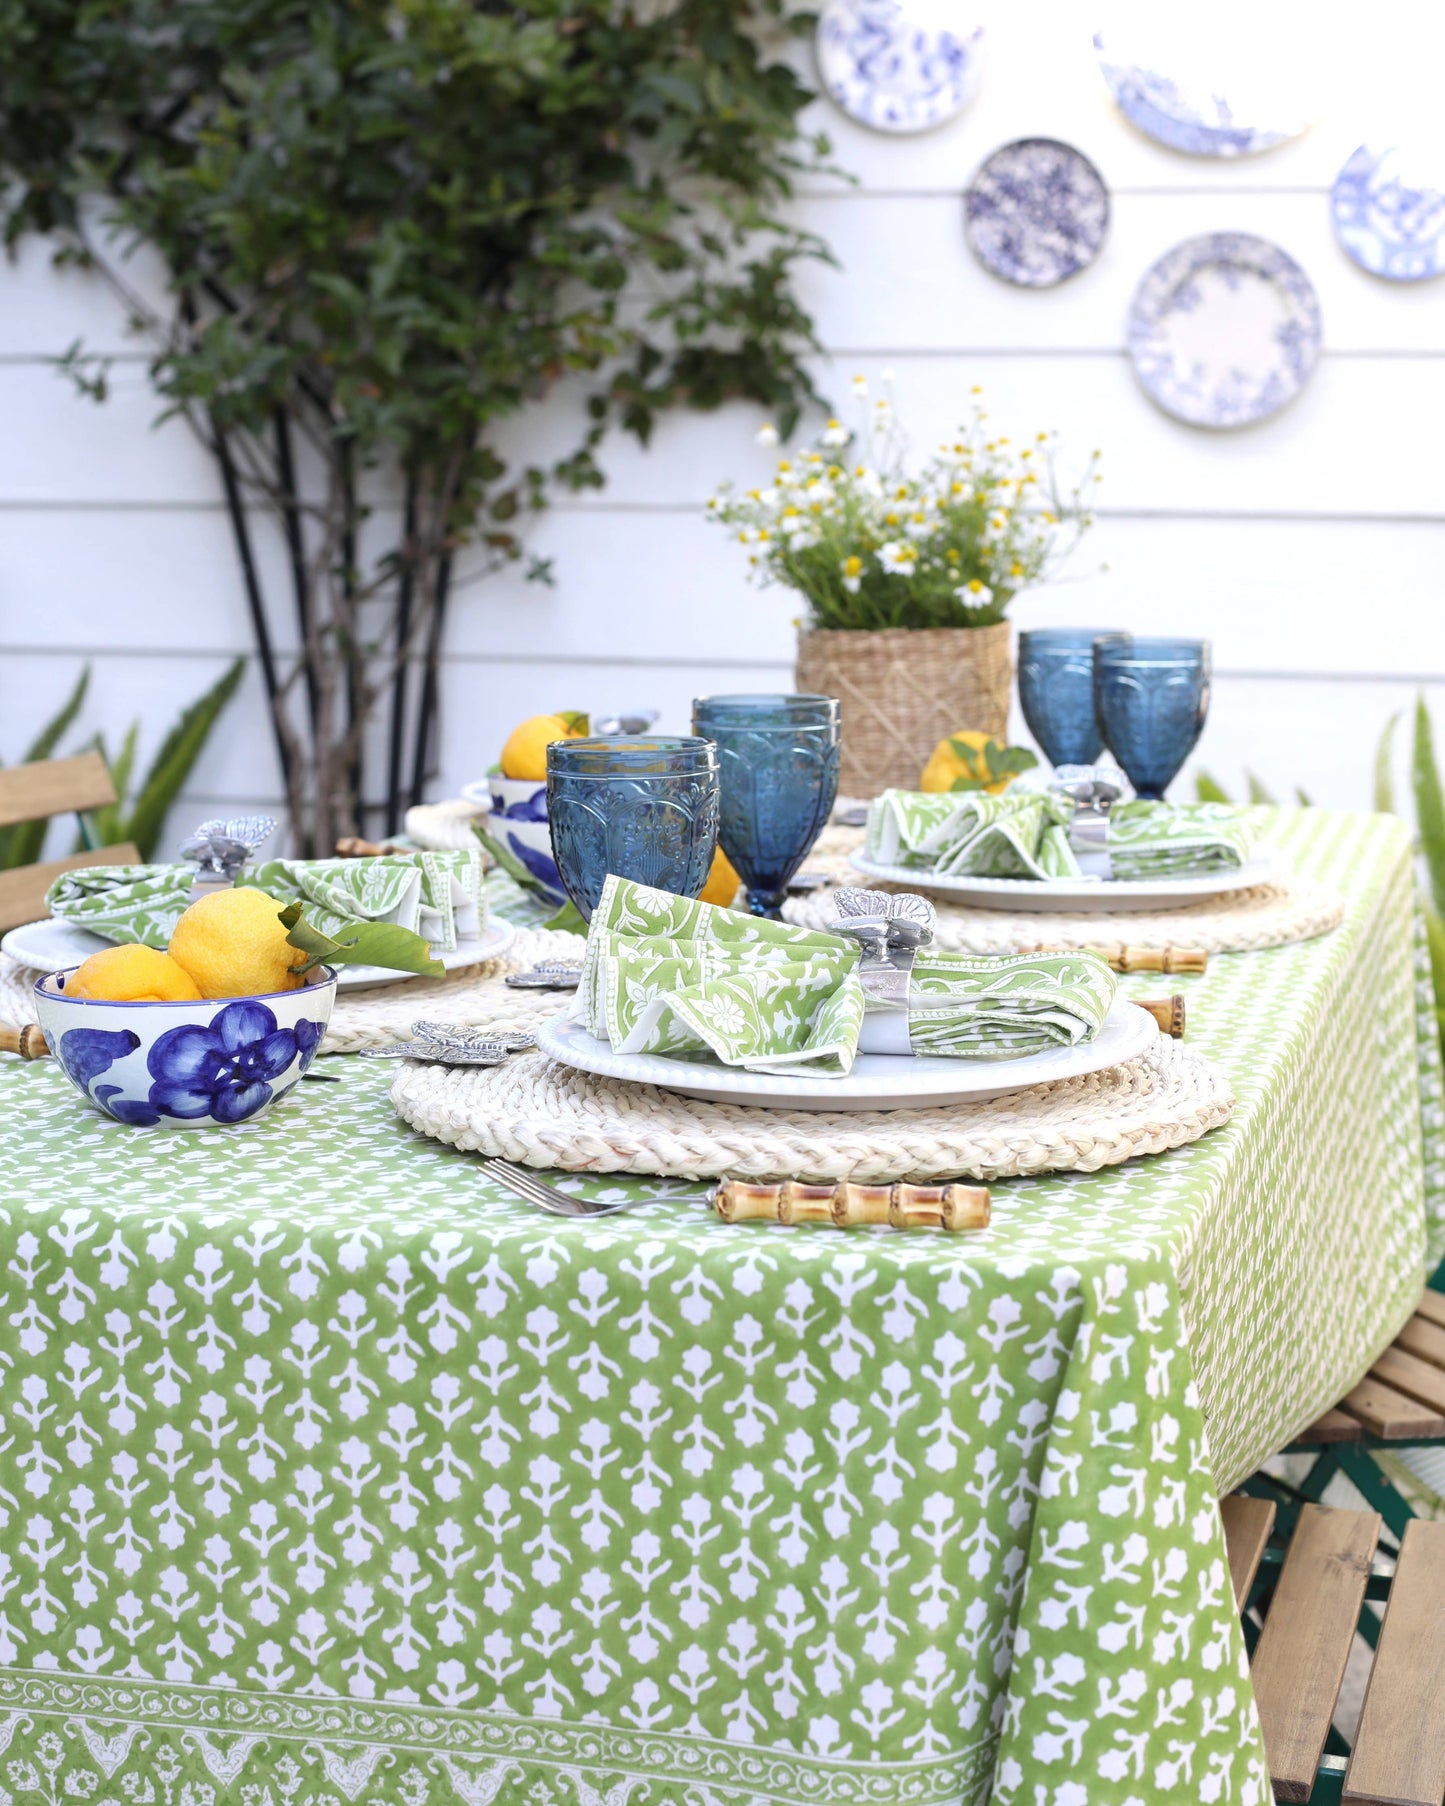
(890, 927)
(220, 848)
(1093, 791)
(547, 975)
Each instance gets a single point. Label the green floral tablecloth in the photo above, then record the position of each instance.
(332, 1477)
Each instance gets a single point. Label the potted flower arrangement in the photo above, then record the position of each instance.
(907, 577)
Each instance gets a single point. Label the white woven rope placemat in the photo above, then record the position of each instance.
(537, 1112)
(1269, 915)
(474, 996)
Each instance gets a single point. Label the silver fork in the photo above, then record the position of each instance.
(546, 1197)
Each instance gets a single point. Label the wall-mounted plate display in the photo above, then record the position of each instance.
(1224, 330)
(1389, 213)
(1195, 85)
(1036, 212)
(898, 65)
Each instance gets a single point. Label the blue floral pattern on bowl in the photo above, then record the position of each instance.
(185, 1063)
(519, 821)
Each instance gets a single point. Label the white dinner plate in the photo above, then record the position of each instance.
(877, 1081)
(1086, 896)
(54, 946)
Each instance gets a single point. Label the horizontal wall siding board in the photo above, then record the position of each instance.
(1274, 595)
(908, 281)
(1349, 443)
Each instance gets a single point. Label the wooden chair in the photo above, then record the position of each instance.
(1400, 1403)
(34, 792)
(1311, 1596)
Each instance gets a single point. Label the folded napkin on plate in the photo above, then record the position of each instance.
(1025, 834)
(436, 895)
(666, 975)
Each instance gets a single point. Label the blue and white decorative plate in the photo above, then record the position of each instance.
(1224, 330)
(1225, 112)
(1390, 216)
(898, 65)
(1036, 212)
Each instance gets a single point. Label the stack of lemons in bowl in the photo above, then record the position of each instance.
(231, 943)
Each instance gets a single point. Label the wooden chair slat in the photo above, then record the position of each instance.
(1432, 1307)
(1300, 1658)
(22, 892)
(1399, 1754)
(1423, 1338)
(54, 787)
(1335, 1426)
(1389, 1414)
(1407, 1373)
(1247, 1524)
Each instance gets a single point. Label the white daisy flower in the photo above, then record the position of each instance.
(852, 574)
(974, 594)
(860, 385)
(767, 435)
(897, 557)
(835, 433)
(996, 525)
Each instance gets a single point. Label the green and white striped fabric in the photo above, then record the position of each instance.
(1024, 834)
(665, 975)
(436, 895)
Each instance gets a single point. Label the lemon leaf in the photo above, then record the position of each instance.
(578, 721)
(366, 944)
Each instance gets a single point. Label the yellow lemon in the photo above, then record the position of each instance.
(233, 945)
(722, 882)
(132, 974)
(947, 763)
(525, 754)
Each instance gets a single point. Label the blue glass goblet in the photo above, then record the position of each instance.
(1056, 692)
(778, 764)
(645, 809)
(1152, 696)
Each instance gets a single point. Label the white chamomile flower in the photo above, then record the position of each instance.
(860, 385)
(852, 568)
(974, 594)
(835, 433)
(996, 525)
(898, 558)
(767, 435)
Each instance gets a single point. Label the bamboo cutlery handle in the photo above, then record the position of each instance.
(846, 1206)
(28, 1042)
(1123, 958)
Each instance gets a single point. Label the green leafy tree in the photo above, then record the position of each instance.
(389, 228)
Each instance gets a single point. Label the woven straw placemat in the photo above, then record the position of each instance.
(474, 996)
(537, 1112)
(1269, 915)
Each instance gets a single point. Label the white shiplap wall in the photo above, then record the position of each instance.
(1310, 548)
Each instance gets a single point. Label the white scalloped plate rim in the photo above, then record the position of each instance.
(1087, 896)
(877, 1081)
(52, 945)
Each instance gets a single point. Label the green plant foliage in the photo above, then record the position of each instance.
(1207, 790)
(1258, 791)
(998, 762)
(1384, 778)
(392, 226)
(366, 944)
(22, 843)
(1429, 806)
(173, 763)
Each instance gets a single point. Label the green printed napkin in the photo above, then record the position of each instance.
(1176, 840)
(1007, 1008)
(668, 976)
(1025, 834)
(436, 895)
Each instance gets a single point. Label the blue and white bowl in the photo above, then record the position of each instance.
(519, 821)
(186, 1065)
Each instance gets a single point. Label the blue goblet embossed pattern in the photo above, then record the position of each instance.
(1152, 696)
(646, 809)
(1056, 691)
(778, 765)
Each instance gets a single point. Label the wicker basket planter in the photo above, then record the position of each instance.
(902, 689)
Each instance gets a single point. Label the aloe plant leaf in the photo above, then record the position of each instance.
(176, 759)
(365, 944)
(1429, 805)
(23, 843)
(1384, 777)
(1207, 790)
(1258, 792)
